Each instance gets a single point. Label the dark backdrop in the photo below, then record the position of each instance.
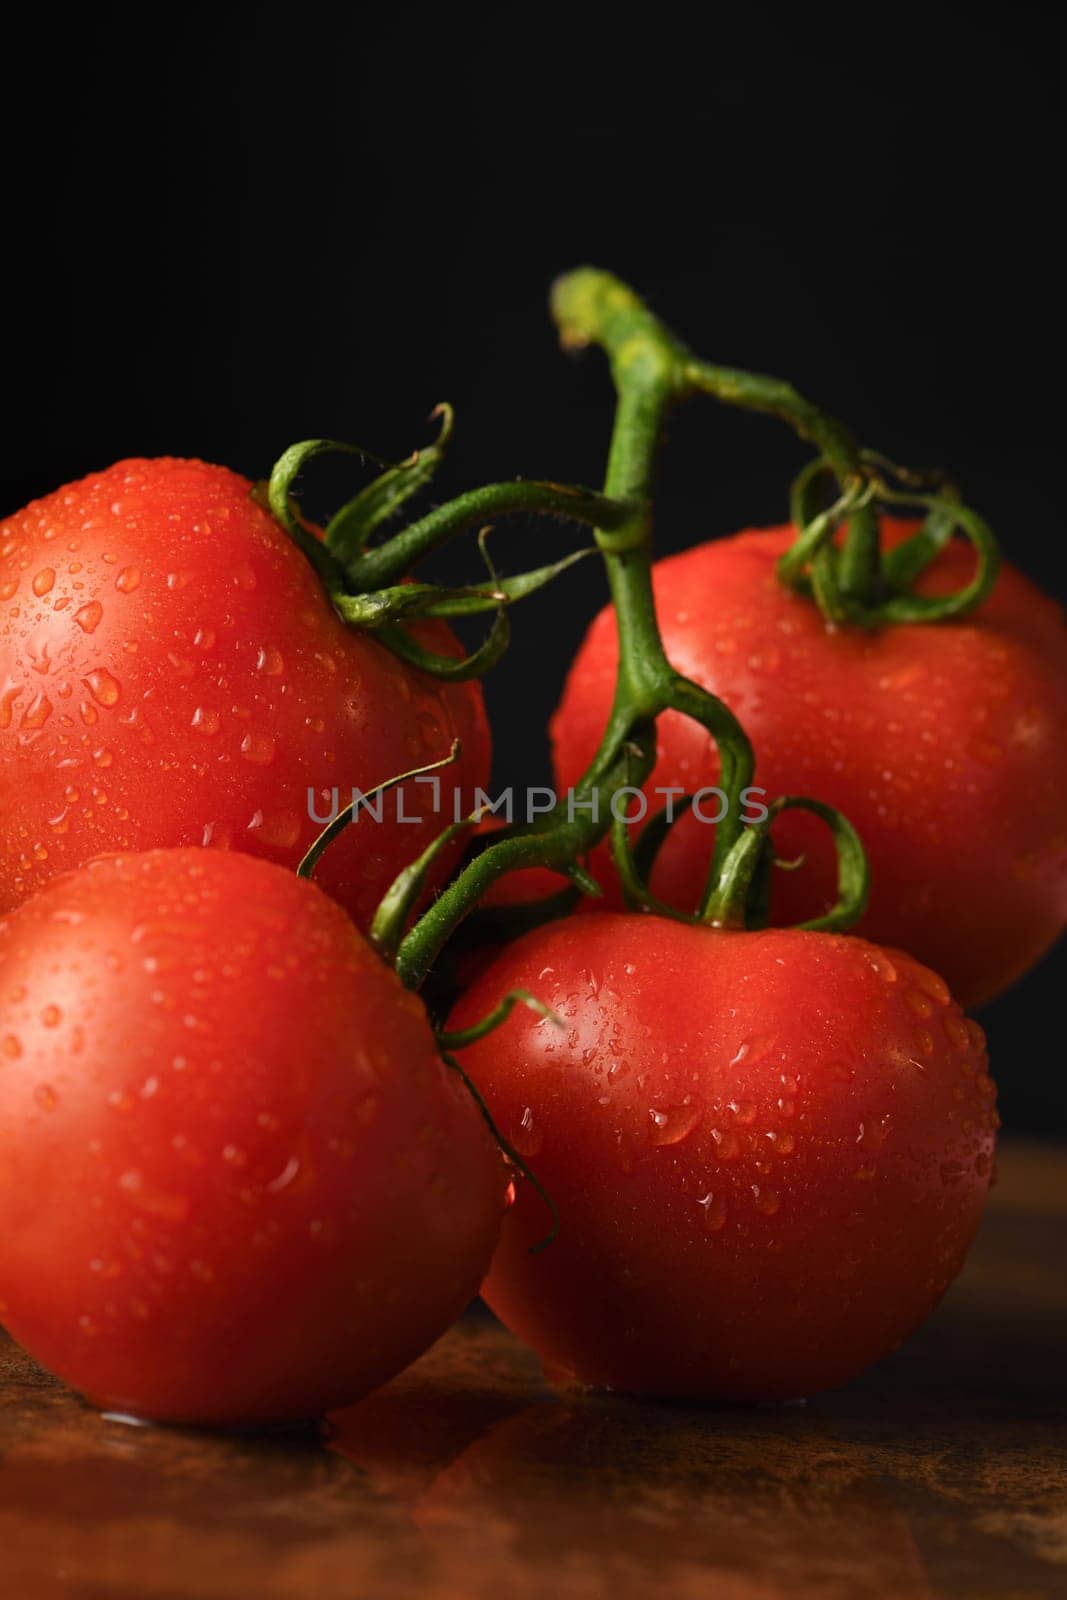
(246, 227)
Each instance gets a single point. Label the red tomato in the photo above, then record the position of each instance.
(237, 1182)
(945, 745)
(769, 1152)
(172, 673)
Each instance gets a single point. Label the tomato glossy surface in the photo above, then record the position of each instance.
(945, 745)
(172, 673)
(237, 1182)
(769, 1152)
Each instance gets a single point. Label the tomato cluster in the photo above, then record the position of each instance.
(243, 1176)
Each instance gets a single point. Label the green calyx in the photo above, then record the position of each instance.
(366, 581)
(838, 557)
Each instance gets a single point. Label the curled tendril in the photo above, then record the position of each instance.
(349, 530)
(753, 854)
(811, 564)
(450, 669)
(343, 818)
(510, 1153)
(635, 890)
(944, 517)
(500, 1013)
(287, 469)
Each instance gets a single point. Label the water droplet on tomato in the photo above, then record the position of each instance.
(37, 712)
(44, 581)
(104, 688)
(933, 985)
(40, 658)
(527, 1137)
(127, 580)
(767, 1200)
(258, 748)
(7, 703)
(88, 616)
(216, 836)
(919, 1002)
(205, 721)
(714, 1209)
(270, 661)
(285, 1176)
(11, 1047)
(726, 1143)
(51, 1016)
(281, 830)
(744, 1111)
(46, 1097)
(673, 1124)
(883, 967)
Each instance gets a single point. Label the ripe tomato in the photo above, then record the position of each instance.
(237, 1181)
(945, 745)
(172, 673)
(769, 1152)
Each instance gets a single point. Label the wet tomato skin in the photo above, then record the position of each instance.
(237, 1182)
(945, 744)
(769, 1152)
(172, 673)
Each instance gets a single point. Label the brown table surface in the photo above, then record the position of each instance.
(943, 1472)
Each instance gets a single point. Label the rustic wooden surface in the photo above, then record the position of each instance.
(943, 1473)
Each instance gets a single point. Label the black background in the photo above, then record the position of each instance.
(226, 230)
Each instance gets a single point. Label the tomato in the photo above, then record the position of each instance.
(945, 744)
(769, 1152)
(237, 1181)
(172, 673)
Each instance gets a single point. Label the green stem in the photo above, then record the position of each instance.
(753, 391)
(650, 372)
